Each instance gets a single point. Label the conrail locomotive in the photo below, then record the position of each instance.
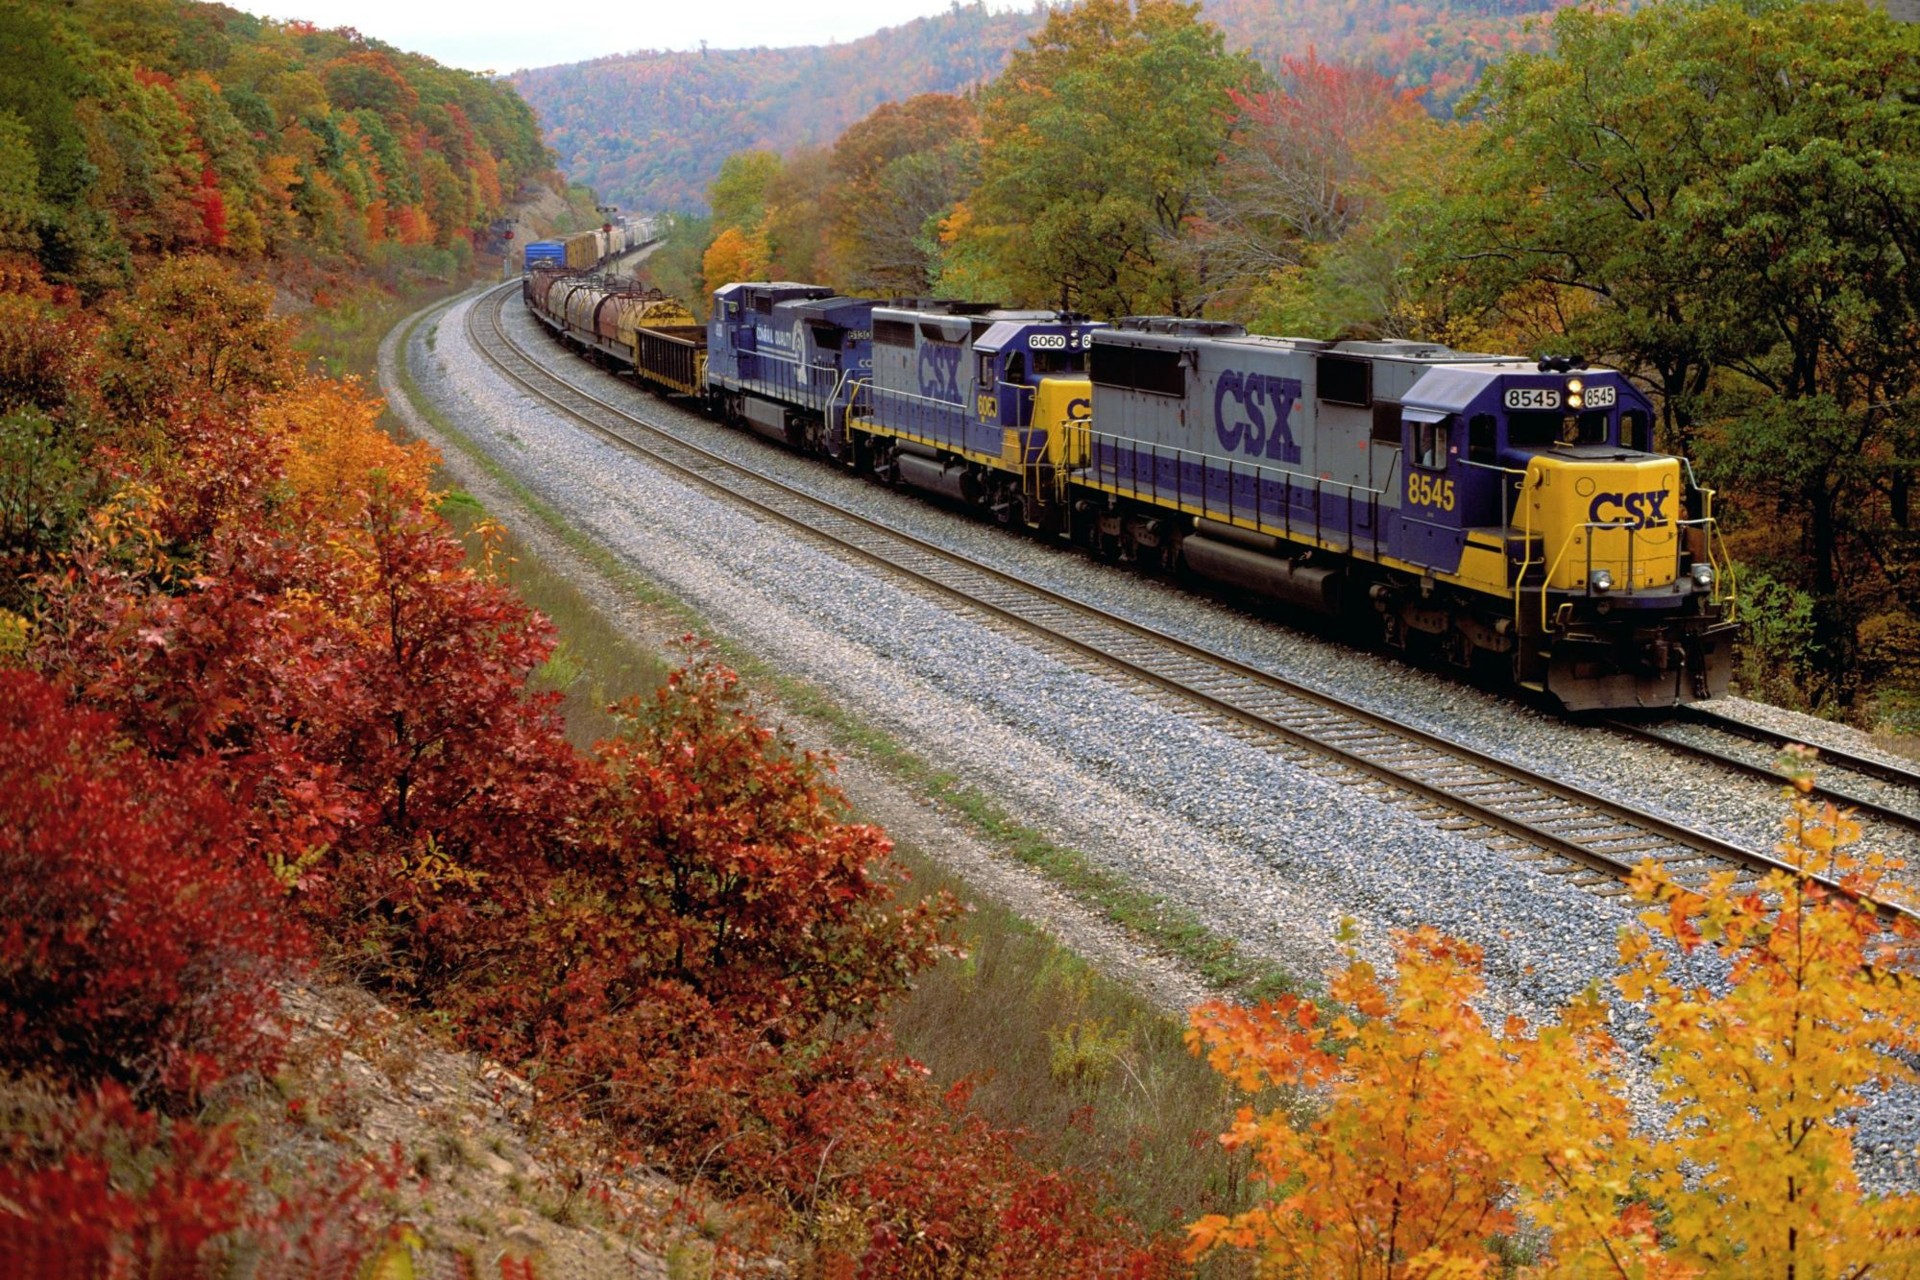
(1493, 512)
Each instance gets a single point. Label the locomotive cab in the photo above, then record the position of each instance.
(1030, 380)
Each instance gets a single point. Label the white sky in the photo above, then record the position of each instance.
(505, 35)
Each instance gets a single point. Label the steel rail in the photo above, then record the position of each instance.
(1839, 757)
(1604, 836)
(1866, 805)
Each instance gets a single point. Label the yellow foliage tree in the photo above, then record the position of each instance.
(337, 449)
(1397, 1155)
(1412, 1152)
(1765, 1057)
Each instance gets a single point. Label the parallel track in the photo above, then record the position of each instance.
(1903, 816)
(1534, 818)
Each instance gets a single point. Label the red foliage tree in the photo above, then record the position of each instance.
(139, 942)
(366, 692)
(103, 1188)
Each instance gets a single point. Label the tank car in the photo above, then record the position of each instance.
(1494, 509)
(622, 321)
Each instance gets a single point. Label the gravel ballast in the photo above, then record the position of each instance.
(1261, 849)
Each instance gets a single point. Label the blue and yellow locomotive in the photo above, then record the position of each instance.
(975, 403)
(1494, 511)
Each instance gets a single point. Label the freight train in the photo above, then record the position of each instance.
(589, 249)
(1491, 512)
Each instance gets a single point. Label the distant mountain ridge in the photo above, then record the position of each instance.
(648, 130)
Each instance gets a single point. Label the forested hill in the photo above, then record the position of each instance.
(147, 127)
(649, 130)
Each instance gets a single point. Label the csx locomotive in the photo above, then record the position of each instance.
(1494, 511)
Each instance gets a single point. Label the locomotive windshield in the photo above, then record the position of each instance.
(1059, 360)
(1537, 430)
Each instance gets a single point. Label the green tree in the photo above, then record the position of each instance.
(738, 195)
(1097, 144)
(1724, 198)
(20, 210)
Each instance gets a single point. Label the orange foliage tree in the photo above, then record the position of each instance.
(733, 255)
(1410, 1119)
(338, 448)
(1778, 1011)
(1417, 1138)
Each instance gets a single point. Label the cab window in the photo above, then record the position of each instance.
(1481, 445)
(1584, 428)
(1016, 368)
(986, 372)
(1430, 444)
(1636, 430)
(1058, 361)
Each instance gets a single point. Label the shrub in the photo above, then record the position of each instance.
(138, 940)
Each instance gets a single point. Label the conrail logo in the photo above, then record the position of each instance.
(1635, 510)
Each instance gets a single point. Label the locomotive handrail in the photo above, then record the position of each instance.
(1293, 481)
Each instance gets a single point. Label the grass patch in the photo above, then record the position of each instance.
(1095, 1077)
(343, 337)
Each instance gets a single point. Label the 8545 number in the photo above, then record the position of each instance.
(1429, 491)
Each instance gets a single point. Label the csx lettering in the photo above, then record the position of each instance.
(940, 372)
(1636, 510)
(1250, 414)
(1079, 407)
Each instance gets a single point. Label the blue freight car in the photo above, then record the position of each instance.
(545, 253)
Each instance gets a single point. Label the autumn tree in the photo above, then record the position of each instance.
(1412, 1121)
(1725, 199)
(1302, 227)
(1777, 1012)
(733, 255)
(897, 175)
(1415, 1136)
(140, 939)
(340, 454)
(1097, 144)
(193, 336)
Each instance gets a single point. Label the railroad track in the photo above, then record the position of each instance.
(1566, 831)
(1898, 805)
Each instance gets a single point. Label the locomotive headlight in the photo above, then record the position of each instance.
(1703, 575)
(1573, 400)
(1575, 386)
(1601, 581)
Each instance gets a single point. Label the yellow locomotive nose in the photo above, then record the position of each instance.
(1607, 524)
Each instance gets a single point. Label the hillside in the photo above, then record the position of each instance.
(649, 130)
(177, 127)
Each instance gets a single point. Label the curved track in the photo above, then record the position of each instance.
(1514, 810)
